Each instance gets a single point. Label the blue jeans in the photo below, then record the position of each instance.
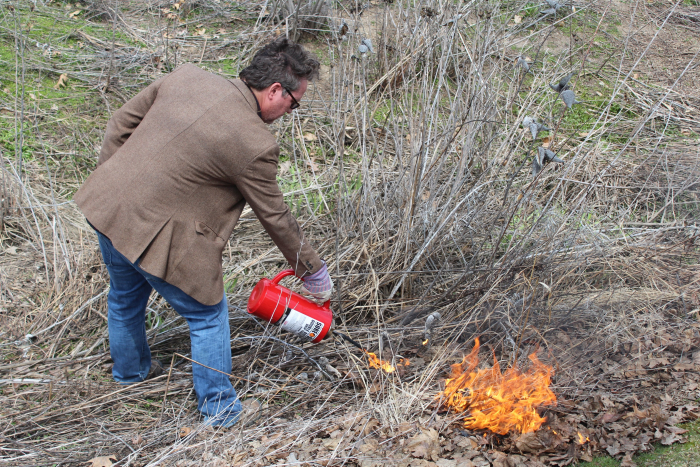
(129, 289)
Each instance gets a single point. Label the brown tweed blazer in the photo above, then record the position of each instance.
(178, 164)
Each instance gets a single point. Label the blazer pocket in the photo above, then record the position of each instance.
(203, 229)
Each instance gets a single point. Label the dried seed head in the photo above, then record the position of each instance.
(384, 343)
(431, 321)
(569, 98)
(522, 63)
(563, 83)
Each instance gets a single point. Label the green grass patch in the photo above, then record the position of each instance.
(676, 455)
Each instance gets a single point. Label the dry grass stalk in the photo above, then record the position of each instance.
(411, 171)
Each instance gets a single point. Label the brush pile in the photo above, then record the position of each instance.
(411, 166)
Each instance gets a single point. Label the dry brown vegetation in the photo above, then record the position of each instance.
(409, 169)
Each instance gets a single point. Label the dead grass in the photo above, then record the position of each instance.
(409, 169)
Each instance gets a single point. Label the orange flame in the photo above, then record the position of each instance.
(375, 362)
(581, 439)
(500, 402)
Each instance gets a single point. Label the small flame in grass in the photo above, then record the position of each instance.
(375, 362)
(425, 342)
(581, 439)
(500, 402)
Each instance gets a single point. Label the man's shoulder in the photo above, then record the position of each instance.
(190, 71)
(190, 91)
(190, 68)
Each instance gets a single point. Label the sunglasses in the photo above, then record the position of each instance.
(295, 103)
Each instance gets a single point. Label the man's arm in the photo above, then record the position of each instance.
(258, 185)
(126, 119)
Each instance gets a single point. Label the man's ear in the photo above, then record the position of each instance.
(273, 89)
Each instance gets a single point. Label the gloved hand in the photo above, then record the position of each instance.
(318, 287)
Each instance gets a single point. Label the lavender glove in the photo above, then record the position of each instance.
(318, 286)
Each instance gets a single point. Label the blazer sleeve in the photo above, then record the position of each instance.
(125, 120)
(258, 185)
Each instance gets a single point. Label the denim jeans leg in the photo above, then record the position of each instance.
(126, 316)
(210, 338)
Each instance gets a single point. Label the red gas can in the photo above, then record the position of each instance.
(296, 314)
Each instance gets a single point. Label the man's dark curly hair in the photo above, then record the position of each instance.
(280, 61)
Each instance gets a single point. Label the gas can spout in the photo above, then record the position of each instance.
(347, 338)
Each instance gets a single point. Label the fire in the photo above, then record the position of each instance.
(375, 362)
(500, 402)
(581, 439)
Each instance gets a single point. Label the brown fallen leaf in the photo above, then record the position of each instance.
(62, 80)
(285, 166)
(613, 449)
(683, 366)
(610, 417)
(370, 446)
(672, 438)
(529, 442)
(235, 457)
(102, 461)
(627, 461)
(458, 462)
(403, 428)
(331, 443)
(676, 430)
(425, 444)
(184, 431)
(369, 427)
(311, 164)
(696, 354)
(500, 459)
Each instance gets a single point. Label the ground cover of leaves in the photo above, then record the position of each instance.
(614, 313)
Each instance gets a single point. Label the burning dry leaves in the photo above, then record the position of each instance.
(499, 406)
(499, 402)
(376, 363)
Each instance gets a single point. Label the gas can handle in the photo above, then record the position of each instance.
(290, 272)
(282, 275)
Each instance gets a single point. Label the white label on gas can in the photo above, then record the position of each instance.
(302, 325)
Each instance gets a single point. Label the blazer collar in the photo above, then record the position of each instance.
(247, 94)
